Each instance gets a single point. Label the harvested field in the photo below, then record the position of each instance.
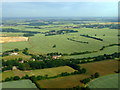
(63, 82)
(103, 67)
(13, 39)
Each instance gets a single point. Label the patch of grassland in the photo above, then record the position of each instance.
(13, 45)
(109, 81)
(19, 84)
(102, 67)
(50, 71)
(12, 73)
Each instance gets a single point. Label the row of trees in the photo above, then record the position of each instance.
(100, 26)
(18, 31)
(53, 32)
(92, 37)
(86, 80)
(77, 41)
(30, 65)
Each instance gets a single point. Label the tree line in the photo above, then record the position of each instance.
(77, 41)
(17, 31)
(92, 37)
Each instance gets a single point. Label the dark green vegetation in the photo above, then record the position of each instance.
(17, 31)
(92, 37)
(77, 41)
(53, 32)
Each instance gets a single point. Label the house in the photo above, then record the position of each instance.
(55, 57)
(14, 68)
(22, 61)
(13, 53)
(33, 59)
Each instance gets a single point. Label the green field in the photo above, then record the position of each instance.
(13, 45)
(43, 44)
(109, 81)
(19, 84)
(108, 50)
(50, 72)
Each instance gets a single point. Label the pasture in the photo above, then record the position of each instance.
(19, 84)
(50, 72)
(12, 73)
(108, 81)
(102, 67)
(13, 45)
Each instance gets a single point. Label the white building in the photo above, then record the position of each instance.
(13, 53)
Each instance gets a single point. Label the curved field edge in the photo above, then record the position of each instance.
(103, 67)
(19, 84)
(107, 50)
(109, 81)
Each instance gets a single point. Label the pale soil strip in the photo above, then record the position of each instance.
(12, 39)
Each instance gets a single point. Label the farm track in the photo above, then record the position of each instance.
(30, 43)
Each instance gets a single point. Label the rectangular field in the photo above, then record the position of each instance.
(50, 71)
(63, 82)
(103, 67)
(12, 39)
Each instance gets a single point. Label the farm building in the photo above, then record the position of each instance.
(22, 61)
(14, 68)
(13, 53)
(55, 57)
